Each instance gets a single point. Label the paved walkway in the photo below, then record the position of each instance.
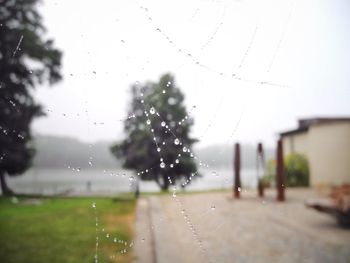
(213, 227)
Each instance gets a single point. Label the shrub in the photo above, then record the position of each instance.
(269, 177)
(296, 170)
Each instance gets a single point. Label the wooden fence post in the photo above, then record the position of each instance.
(280, 172)
(237, 170)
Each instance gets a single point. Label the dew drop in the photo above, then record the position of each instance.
(152, 111)
(176, 141)
(162, 165)
(158, 149)
(148, 122)
(163, 123)
(184, 149)
(93, 205)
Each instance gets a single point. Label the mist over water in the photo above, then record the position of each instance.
(57, 181)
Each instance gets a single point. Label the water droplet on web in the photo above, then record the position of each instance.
(184, 149)
(176, 141)
(93, 205)
(171, 165)
(212, 207)
(158, 149)
(148, 122)
(177, 161)
(163, 123)
(152, 111)
(162, 165)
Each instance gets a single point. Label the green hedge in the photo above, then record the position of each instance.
(296, 170)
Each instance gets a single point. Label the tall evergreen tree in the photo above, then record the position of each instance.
(26, 60)
(157, 144)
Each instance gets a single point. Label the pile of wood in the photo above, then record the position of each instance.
(338, 204)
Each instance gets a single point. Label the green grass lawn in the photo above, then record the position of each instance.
(64, 230)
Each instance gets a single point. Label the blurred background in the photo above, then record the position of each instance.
(298, 47)
(112, 99)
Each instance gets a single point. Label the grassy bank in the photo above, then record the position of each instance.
(63, 230)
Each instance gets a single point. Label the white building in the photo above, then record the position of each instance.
(326, 144)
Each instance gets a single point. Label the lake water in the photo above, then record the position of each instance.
(54, 181)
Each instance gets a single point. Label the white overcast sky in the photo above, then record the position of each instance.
(305, 43)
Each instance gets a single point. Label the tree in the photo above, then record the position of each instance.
(26, 60)
(157, 144)
(297, 170)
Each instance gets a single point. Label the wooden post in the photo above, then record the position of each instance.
(280, 172)
(237, 168)
(260, 165)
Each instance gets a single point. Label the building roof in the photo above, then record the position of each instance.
(304, 124)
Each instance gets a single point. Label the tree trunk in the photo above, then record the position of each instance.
(6, 191)
(163, 183)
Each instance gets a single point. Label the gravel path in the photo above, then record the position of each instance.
(213, 227)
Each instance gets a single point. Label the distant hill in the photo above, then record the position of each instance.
(222, 155)
(60, 152)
